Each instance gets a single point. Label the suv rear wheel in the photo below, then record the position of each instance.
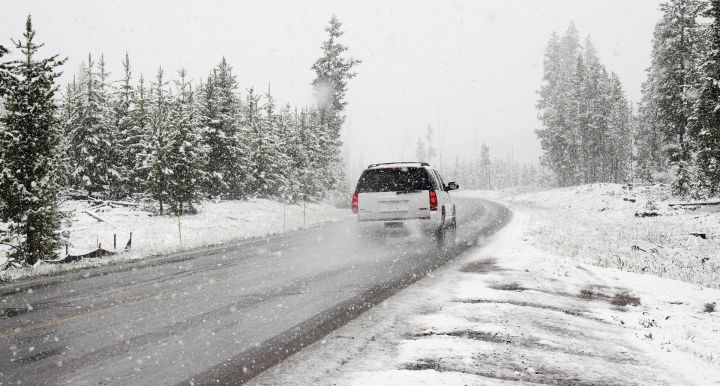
(446, 233)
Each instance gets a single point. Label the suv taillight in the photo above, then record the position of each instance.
(355, 203)
(433, 200)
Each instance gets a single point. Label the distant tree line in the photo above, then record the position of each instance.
(588, 133)
(481, 171)
(586, 119)
(678, 123)
(170, 141)
(491, 173)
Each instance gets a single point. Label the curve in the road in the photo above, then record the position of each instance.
(218, 315)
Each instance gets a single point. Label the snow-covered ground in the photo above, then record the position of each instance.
(216, 222)
(522, 309)
(601, 225)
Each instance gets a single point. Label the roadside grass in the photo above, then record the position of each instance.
(632, 230)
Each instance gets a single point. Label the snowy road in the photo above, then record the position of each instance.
(510, 314)
(223, 313)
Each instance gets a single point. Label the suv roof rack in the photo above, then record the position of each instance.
(402, 162)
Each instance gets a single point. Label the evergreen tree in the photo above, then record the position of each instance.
(485, 180)
(127, 140)
(586, 131)
(332, 72)
(577, 132)
(29, 164)
(558, 137)
(253, 124)
(92, 135)
(425, 150)
(136, 141)
(110, 120)
(69, 110)
(4, 75)
(269, 160)
(287, 172)
(620, 125)
(648, 138)
(308, 155)
(185, 153)
(219, 117)
(430, 151)
(420, 151)
(156, 160)
(317, 169)
(673, 75)
(596, 146)
(706, 126)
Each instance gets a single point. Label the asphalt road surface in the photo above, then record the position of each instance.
(213, 315)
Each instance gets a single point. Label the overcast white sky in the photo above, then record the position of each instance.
(469, 68)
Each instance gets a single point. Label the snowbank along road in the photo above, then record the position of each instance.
(214, 315)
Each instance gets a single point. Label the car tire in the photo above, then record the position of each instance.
(451, 234)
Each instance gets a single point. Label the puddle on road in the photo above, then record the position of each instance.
(481, 266)
(10, 312)
(619, 297)
(40, 355)
(514, 286)
(624, 299)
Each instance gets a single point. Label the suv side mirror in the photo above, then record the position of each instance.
(452, 186)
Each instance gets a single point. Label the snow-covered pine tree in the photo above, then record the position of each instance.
(185, 155)
(648, 138)
(308, 155)
(594, 135)
(420, 151)
(206, 120)
(92, 134)
(4, 75)
(69, 110)
(4, 87)
(585, 135)
(29, 137)
(430, 150)
(557, 137)
(127, 140)
(316, 184)
(219, 117)
(577, 126)
(620, 126)
(706, 125)
(288, 147)
(551, 113)
(269, 158)
(292, 140)
(332, 72)
(136, 141)
(485, 179)
(677, 44)
(113, 158)
(425, 149)
(155, 160)
(253, 125)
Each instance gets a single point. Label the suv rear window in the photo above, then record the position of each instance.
(393, 180)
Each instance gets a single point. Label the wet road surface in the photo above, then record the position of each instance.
(215, 315)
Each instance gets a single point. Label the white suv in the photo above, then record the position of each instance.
(404, 193)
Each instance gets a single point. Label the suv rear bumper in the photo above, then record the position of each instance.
(417, 224)
(386, 219)
(427, 219)
(395, 216)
